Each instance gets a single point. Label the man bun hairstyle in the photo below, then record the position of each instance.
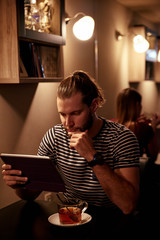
(81, 82)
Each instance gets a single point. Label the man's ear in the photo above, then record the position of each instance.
(94, 105)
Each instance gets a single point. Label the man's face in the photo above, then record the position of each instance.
(74, 114)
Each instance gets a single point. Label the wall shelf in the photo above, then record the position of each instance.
(37, 80)
(31, 55)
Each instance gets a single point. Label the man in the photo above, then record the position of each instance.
(99, 158)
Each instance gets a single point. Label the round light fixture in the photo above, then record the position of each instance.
(140, 44)
(83, 28)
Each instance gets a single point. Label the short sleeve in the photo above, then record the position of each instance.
(46, 147)
(126, 150)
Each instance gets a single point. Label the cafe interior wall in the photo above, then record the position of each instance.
(27, 111)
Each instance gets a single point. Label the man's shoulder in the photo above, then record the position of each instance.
(57, 127)
(55, 130)
(114, 126)
(117, 129)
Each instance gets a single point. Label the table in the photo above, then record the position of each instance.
(29, 221)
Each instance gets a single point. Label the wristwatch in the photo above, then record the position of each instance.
(97, 160)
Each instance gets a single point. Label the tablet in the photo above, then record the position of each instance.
(42, 172)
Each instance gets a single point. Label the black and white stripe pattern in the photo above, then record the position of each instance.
(115, 143)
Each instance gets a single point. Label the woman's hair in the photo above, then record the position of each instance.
(127, 105)
(81, 82)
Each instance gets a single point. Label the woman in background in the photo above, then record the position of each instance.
(129, 114)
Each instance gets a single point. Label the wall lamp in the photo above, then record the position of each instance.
(83, 28)
(140, 44)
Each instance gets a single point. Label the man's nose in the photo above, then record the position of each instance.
(68, 121)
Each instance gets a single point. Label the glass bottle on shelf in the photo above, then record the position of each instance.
(34, 16)
(38, 17)
(27, 14)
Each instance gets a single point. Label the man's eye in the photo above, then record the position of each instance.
(76, 113)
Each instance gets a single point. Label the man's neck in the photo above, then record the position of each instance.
(96, 126)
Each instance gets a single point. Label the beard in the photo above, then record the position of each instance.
(88, 123)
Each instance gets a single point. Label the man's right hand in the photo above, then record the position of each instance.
(13, 177)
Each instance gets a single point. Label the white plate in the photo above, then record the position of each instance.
(54, 219)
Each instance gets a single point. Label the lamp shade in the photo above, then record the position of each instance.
(158, 57)
(140, 44)
(83, 28)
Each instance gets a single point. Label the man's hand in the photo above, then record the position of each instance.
(83, 144)
(13, 177)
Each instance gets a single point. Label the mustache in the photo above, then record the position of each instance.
(73, 130)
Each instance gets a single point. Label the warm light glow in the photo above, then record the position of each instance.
(158, 57)
(140, 44)
(83, 28)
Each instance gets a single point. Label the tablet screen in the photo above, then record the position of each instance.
(41, 171)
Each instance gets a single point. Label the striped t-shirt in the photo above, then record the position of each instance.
(117, 145)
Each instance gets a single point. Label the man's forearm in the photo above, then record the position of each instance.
(121, 188)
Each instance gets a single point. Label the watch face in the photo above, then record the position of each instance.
(99, 159)
(96, 161)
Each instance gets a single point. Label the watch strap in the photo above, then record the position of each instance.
(97, 160)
